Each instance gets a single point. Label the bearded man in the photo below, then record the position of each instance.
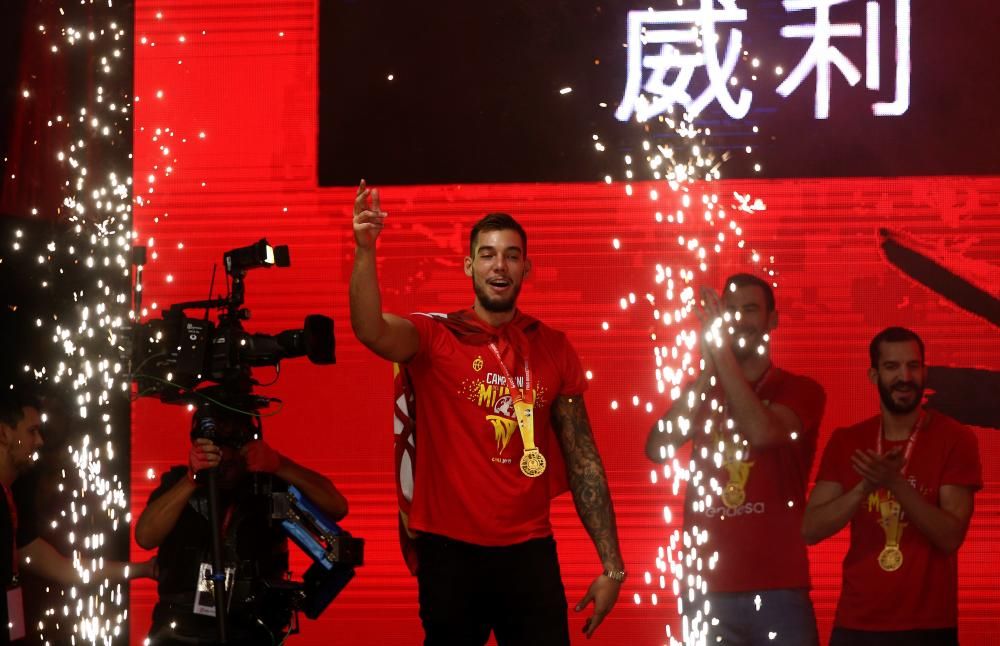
(752, 428)
(904, 480)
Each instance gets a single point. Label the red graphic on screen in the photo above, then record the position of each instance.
(853, 256)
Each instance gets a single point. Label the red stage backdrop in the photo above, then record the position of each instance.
(225, 144)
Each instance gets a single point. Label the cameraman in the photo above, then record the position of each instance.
(176, 521)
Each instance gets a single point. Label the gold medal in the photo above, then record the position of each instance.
(890, 559)
(532, 463)
(733, 495)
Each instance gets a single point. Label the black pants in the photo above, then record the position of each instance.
(466, 591)
(934, 637)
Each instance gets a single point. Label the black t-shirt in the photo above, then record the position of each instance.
(253, 545)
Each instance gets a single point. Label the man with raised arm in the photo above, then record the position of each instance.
(904, 480)
(753, 427)
(500, 425)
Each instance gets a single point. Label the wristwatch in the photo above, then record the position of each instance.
(615, 575)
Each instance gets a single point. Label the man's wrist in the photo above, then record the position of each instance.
(864, 487)
(896, 484)
(190, 478)
(615, 574)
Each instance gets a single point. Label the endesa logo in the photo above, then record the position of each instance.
(741, 510)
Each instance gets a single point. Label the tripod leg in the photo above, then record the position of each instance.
(218, 565)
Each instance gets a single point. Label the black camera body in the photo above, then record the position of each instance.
(173, 356)
(182, 359)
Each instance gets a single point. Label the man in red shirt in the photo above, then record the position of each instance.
(904, 479)
(498, 408)
(753, 429)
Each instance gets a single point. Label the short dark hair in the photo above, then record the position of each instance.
(13, 401)
(748, 280)
(497, 222)
(894, 334)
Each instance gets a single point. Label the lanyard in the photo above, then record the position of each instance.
(910, 442)
(527, 395)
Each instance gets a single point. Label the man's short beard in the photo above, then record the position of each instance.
(492, 305)
(885, 394)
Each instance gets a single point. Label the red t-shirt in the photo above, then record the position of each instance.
(759, 542)
(923, 592)
(467, 481)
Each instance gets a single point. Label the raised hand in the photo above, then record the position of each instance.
(714, 328)
(369, 217)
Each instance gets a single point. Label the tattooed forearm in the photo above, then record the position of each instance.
(587, 480)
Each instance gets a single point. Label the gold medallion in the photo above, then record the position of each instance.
(532, 463)
(733, 495)
(891, 558)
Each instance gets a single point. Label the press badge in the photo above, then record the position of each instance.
(15, 613)
(204, 596)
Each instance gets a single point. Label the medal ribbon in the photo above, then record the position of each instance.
(524, 400)
(890, 510)
(909, 442)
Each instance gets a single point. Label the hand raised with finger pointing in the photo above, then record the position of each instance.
(369, 218)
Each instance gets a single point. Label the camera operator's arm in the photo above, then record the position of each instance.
(161, 514)
(40, 558)
(387, 335)
(318, 489)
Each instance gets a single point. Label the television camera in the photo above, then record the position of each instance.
(173, 356)
(186, 360)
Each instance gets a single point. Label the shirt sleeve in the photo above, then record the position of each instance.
(805, 398)
(964, 467)
(427, 332)
(834, 462)
(574, 381)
